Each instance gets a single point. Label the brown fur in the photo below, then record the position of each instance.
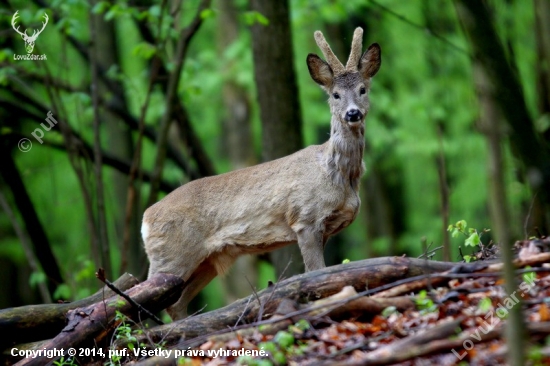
(199, 229)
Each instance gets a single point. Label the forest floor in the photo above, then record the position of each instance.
(459, 321)
(413, 312)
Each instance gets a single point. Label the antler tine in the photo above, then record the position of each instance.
(356, 48)
(14, 21)
(44, 23)
(331, 58)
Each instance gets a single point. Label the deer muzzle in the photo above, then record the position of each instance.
(354, 115)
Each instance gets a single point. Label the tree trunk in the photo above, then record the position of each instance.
(491, 127)
(540, 219)
(40, 242)
(507, 93)
(278, 98)
(119, 144)
(238, 144)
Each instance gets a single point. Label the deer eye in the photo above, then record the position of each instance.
(336, 95)
(362, 90)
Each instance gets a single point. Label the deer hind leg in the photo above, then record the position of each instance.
(201, 277)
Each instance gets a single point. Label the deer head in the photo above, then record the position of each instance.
(29, 40)
(347, 86)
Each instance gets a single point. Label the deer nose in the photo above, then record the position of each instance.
(353, 115)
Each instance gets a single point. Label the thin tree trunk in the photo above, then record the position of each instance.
(101, 220)
(491, 127)
(527, 145)
(238, 144)
(119, 143)
(278, 98)
(507, 93)
(35, 230)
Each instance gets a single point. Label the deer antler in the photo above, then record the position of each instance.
(43, 26)
(13, 21)
(356, 48)
(331, 58)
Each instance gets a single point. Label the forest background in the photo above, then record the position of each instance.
(150, 95)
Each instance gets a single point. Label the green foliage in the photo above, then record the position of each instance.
(424, 303)
(253, 17)
(126, 334)
(36, 278)
(529, 277)
(485, 305)
(535, 355)
(284, 339)
(63, 291)
(65, 362)
(473, 237)
(282, 346)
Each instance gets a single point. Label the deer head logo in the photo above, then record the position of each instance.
(29, 40)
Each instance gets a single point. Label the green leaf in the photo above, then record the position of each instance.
(302, 324)
(529, 277)
(253, 17)
(62, 292)
(485, 305)
(269, 347)
(208, 13)
(279, 358)
(461, 225)
(154, 11)
(472, 240)
(144, 50)
(101, 7)
(36, 278)
(284, 339)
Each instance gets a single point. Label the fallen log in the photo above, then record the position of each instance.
(37, 322)
(410, 347)
(482, 267)
(85, 323)
(310, 286)
(334, 305)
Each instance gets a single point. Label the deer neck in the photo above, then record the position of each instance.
(343, 157)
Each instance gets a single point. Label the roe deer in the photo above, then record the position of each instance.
(199, 229)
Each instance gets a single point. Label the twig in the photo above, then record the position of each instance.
(244, 311)
(422, 28)
(100, 275)
(98, 168)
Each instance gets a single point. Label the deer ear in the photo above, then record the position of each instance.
(370, 61)
(319, 70)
